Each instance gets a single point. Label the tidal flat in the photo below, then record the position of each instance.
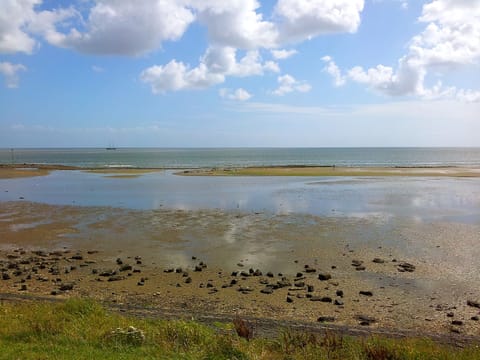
(382, 254)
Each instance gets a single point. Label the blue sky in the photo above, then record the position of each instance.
(208, 73)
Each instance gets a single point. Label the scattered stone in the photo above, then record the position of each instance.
(140, 283)
(366, 293)
(310, 288)
(234, 273)
(270, 274)
(338, 302)
(289, 299)
(66, 286)
(107, 273)
(126, 267)
(179, 270)
(299, 275)
(326, 299)
(198, 268)
(324, 276)
(23, 288)
(450, 314)
(5, 276)
(457, 322)
(171, 270)
(357, 263)
(268, 290)
(310, 270)
(406, 267)
(257, 273)
(188, 280)
(54, 292)
(77, 257)
(472, 303)
(475, 318)
(378, 261)
(365, 320)
(119, 261)
(339, 293)
(240, 265)
(323, 319)
(233, 282)
(455, 330)
(299, 284)
(116, 278)
(360, 268)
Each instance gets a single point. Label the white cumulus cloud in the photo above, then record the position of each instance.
(304, 19)
(450, 40)
(127, 28)
(238, 95)
(288, 84)
(283, 53)
(215, 65)
(10, 72)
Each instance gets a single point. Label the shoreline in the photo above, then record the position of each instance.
(29, 170)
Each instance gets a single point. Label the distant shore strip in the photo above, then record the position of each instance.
(27, 170)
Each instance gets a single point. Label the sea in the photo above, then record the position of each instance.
(182, 158)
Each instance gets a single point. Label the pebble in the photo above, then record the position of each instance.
(324, 276)
(323, 319)
(366, 293)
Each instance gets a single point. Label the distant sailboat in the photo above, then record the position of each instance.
(111, 147)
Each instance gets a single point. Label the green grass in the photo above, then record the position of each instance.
(83, 329)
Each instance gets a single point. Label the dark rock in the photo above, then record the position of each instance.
(378, 261)
(357, 263)
(116, 278)
(66, 286)
(233, 282)
(126, 267)
(310, 270)
(360, 268)
(338, 302)
(234, 273)
(107, 273)
(140, 283)
(310, 288)
(455, 330)
(472, 303)
(171, 270)
(267, 290)
(270, 274)
(251, 271)
(23, 288)
(321, 298)
(77, 257)
(323, 319)
(366, 293)
(406, 267)
(137, 271)
(289, 299)
(119, 261)
(284, 283)
(324, 276)
(475, 318)
(54, 292)
(339, 293)
(240, 265)
(450, 314)
(457, 322)
(299, 275)
(245, 273)
(179, 270)
(257, 273)
(5, 276)
(198, 268)
(365, 320)
(209, 285)
(188, 280)
(299, 284)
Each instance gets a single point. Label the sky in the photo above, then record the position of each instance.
(239, 73)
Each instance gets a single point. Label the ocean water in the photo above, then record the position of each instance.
(242, 157)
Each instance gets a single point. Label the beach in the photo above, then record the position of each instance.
(405, 262)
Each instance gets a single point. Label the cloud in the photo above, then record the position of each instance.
(19, 22)
(238, 95)
(283, 53)
(97, 69)
(333, 70)
(215, 65)
(450, 41)
(127, 28)
(304, 19)
(236, 23)
(288, 84)
(10, 72)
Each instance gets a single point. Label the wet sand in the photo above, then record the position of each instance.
(8, 171)
(46, 248)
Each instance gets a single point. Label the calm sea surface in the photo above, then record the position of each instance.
(241, 157)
